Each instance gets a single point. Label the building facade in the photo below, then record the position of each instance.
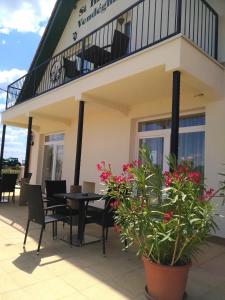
(111, 75)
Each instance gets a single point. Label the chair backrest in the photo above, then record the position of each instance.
(109, 212)
(8, 183)
(74, 189)
(23, 182)
(70, 67)
(32, 195)
(88, 187)
(54, 187)
(119, 44)
(29, 175)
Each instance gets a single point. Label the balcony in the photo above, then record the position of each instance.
(142, 25)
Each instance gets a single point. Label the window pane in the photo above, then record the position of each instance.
(59, 161)
(48, 163)
(153, 125)
(192, 121)
(54, 137)
(192, 147)
(166, 123)
(156, 146)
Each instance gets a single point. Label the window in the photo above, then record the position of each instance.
(156, 135)
(166, 123)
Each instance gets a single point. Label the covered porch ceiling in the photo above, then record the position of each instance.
(120, 96)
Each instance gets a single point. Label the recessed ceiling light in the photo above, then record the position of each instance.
(199, 95)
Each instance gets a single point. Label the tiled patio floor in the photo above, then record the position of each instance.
(61, 272)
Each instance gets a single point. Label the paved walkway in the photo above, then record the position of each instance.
(61, 272)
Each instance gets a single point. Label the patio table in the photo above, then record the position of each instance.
(82, 198)
(96, 55)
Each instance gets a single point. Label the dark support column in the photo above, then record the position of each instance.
(79, 143)
(179, 15)
(175, 114)
(27, 158)
(2, 147)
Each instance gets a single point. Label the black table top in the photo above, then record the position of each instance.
(96, 55)
(79, 196)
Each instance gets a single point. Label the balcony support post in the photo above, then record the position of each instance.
(79, 143)
(28, 147)
(174, 140)
(2, 147)
(179, 15)
(216, 37)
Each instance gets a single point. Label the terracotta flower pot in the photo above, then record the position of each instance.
(165, 282)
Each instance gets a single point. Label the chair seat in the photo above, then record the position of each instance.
(55, 218)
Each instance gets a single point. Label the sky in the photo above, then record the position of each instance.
(22, 23)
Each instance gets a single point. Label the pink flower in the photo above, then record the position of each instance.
(105, 176)
(137, 163)
(114, 204)
(168, 179)
(167, 216)
(120, 179)
(194, 177)
(207, 195)
(99, 167)
(126, 167)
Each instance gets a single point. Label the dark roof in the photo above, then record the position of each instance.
(53, 32)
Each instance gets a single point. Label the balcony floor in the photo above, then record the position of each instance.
(61, 272)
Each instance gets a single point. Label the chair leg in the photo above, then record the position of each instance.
(56, 229)
(25, 238)
(53, 230)
(39, 243)
(103, 240)
(71, 238)
(107, 232)
(13, 198)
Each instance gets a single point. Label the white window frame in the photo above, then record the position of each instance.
(165, 133)
(55, 144)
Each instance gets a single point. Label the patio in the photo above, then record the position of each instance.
(61, 272)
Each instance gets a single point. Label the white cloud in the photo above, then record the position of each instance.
(25, 16)
(3, 42)
(8, 76)
(15, 142)
(4, 30)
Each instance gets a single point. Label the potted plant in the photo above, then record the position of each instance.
(167, 216)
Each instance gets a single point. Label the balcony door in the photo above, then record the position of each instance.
(53, 157)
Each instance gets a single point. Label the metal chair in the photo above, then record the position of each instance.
(36, 212)
(70, 67)
(70, 208)
(21, 187)
(103, 217)
(7, 185)
(119, 45)
(55, 187)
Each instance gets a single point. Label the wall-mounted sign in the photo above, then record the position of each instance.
(92, 9)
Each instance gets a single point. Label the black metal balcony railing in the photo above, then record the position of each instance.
(142, 25)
